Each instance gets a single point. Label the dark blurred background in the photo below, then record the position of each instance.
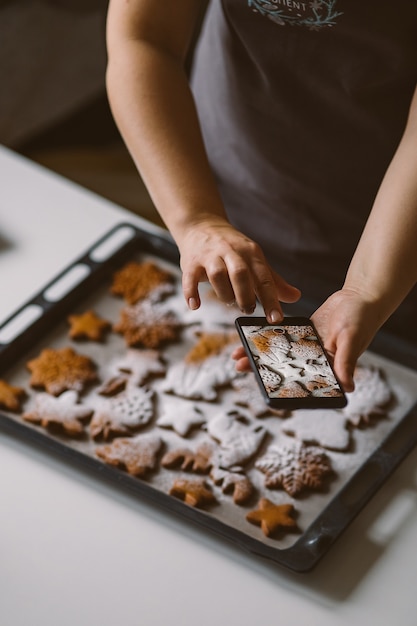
(53, 104)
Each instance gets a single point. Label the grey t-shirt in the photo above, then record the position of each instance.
(302, 105)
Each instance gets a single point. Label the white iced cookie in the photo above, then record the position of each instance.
(370, 398)
(181, 416)
(239, 440)
(326, 428)
(205, 368)
(123, 414)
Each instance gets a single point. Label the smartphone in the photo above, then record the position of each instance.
(290, 363)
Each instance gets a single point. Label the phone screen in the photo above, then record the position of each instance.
(290, 363)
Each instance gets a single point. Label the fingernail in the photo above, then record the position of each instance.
(275, 316)
(193, 304)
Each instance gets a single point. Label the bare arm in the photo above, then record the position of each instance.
(154, 109)
(384, 267)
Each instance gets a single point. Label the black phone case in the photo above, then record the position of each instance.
(309, 402)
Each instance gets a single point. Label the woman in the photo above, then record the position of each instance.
(294, 152)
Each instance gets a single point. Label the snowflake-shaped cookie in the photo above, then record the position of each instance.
(63, 411)
(136, 281)
(239, 440)
(58, 370)
(148, 325)
(326, 428)
(138, 455)
(294, 467)
(123, 414)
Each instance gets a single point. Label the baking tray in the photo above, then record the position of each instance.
(374, 451)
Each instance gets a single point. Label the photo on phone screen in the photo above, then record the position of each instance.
(290, 363)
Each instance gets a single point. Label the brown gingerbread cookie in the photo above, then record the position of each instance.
(137, 455)
(295, 468)
(147, 325)
(272, 517)
(199, 461)
(193, 492)
(62, 411)
(59, 370)
(136, 281)
(11, 397)
(123, 414)
(88, 326)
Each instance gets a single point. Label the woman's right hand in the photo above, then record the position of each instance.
(213, 250)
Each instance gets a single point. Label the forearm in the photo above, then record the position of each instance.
(384, 266)
(154, 109)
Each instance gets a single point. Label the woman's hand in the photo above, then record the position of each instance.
(346, 322)
(236, 267)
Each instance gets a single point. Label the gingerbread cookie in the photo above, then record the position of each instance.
(123, 414)
(136, 281)
(370, 398)
(239, 440)
(137, 455)
(198, 461)
(238, 484)
(193, 492)
(326, 428)
(11, 397)
(135, 366)
(88, 326)
(207, 367)
(181, 416)
(62, 411)
(147, 325)
(295, 467)
(59, 370)
(248, 394)
(272, 517)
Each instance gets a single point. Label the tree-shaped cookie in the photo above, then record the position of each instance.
(137, 455)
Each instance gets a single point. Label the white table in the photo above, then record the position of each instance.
(74, 551)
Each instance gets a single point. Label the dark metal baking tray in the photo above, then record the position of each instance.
(41, 322)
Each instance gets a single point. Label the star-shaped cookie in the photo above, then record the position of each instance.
(181, 417)
(272, 517)
(88, 326)
(11, 397)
